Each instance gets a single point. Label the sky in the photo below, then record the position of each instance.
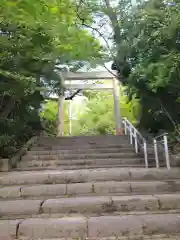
(107, 32)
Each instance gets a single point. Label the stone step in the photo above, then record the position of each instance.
(92, 227)
(85, 145)
(79, 162)
(88, 159)
(155, 237)
(88, 150)
(89, 189)
(84, 155)
(88, 175)
(80, 146)
(88, 139)
(83, 137)
(75, 167)
(87, 163)
(89, 205)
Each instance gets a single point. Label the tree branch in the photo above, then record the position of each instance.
(73, 95)
(170, 118)
(96, 30)
(110, 71)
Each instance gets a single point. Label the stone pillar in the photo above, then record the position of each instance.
(118, 119)
(60, 127)
(70, 117)
(5, 165)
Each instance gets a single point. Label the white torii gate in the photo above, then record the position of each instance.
(70, 77)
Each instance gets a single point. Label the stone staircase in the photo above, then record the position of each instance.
(88, 188)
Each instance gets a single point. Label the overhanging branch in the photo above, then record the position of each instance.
(73, 95)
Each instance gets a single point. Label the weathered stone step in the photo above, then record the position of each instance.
(80, 146)
(84, 136)
(155, 237)
(79, 167)
(74, 167)
(89, 175)
(79, 162)
(89, 205)
(90, 189)
(82, 139)
(54, 161)
(77, 151)
(92, 227)
(86, 164)
(85, 155)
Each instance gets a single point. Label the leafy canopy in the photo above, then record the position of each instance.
(36, 38)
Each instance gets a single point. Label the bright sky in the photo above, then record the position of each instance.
(107, 32)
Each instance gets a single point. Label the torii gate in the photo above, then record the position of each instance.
(70, 80)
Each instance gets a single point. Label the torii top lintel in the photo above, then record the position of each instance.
(89, 75)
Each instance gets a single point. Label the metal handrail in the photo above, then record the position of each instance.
(126, 120)
(164, 143)
(136, 135)
(138, 138)
(162, 135)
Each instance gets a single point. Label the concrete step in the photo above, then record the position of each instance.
(89, 205)
(75, 167)
(80, 146)
(79, 151)
(107, 188)
(85, 145)
(155, 237)
(87, 163)
(88, 175)
(88, 139)
(81, 156)
(79, 162)
(83, 137)
(92, 227)
(51, 160)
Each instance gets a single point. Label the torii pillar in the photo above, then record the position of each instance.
(116, 94)
(117, 110)
(60, 118)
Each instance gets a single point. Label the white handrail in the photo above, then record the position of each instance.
(138, 138)
(135, 134)
(162, 135)
(126, 121)
(164, 142)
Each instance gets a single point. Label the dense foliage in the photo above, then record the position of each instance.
(98, 115)
(49, 118)
(36, 38)
(146, 54)
(148, 61)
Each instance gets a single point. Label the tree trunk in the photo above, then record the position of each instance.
(114, 20)
(7, 109)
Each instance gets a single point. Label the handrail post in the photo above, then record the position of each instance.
(166, 152)
(156, 153)
(145, 154)
(131, 135)
(136, 143)
(125, 127)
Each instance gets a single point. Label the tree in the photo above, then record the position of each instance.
(36, 38)
(98, 116)
(146, 54)
(49, 117)
(150, 49)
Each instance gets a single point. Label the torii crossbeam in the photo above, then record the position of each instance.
(71, 82)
